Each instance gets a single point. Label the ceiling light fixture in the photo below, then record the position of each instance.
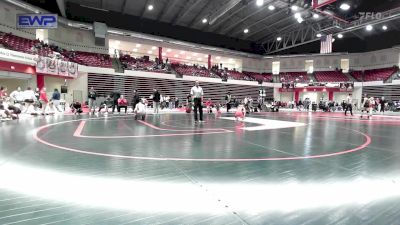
(260, 2)
(340, 35)
(294, 7)
(204, 20)
(369, 27)
(279, 39)
(300, 20)
(344, 6)
(315, 16)
(246, 31)
(271, 7)
(150, 7)
(384, 27)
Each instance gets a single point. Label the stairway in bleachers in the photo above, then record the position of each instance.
(311, 77)
(392, 77)
(117, 65)
(351, 78)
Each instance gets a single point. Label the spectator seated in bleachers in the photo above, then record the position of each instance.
(264, 77)
(194, 70)
(300, 77)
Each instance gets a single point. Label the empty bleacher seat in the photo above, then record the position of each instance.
(330, 76)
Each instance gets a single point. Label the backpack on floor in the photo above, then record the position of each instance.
(188, 110)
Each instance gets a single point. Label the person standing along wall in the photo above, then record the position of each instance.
(156, 101)
(55, 98)
(382, 103)
(228, 99)
(115, 96)
(92, 95)
(135, 99)
(43, 100)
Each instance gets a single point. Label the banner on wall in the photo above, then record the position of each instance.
(16, 56)
(57, 67)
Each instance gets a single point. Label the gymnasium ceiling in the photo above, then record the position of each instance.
(226, 19)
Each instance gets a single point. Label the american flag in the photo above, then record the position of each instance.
(326, 44)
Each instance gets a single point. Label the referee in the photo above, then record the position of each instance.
(197, 94)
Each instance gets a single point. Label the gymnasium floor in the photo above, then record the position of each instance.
(275, 168)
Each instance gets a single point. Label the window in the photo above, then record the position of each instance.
(309, 66)
(276, 67)
(344, 65)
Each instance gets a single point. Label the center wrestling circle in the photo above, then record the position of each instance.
(38, 138)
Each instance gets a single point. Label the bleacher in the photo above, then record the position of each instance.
(330, 76)
(236, 75)
(196, 71)
(294, 76)
(24, 45)
(20, 44)
(89, 59)
(265, 77)
(374, 75)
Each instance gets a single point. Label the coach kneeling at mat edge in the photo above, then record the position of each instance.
(197, 95)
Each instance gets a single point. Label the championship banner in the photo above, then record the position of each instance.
(41, 65)
(62, 68)
(57, 67)
(73, 69)
(51, 66)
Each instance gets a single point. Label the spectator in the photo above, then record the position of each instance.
(56, 99)
(108, 103)
(140, 110)
(29, 98)
(43, 100)
(156, 101)
(122, 103)
(76, 107)
(17, 96)
(115, 95)
(92, 95)
(135, 99)
(3, 93)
